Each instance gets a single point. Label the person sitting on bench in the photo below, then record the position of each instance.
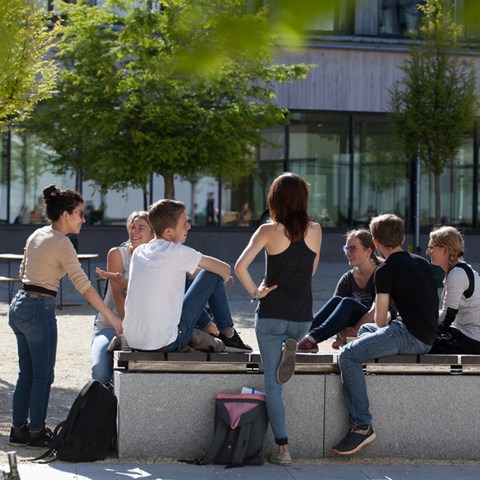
(459, 319)
(408, 280)
(159, 314)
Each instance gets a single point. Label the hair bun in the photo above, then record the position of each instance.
(50, 191)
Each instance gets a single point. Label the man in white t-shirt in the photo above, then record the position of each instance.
(159, 313)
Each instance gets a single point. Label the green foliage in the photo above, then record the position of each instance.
(137, 93)
(435, 103)
(27, 75)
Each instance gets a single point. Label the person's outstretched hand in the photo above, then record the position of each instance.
(114, 276)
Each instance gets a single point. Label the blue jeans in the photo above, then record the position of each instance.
(271, 334)
(102, 360)
(208, 288)
(33, 321)
(373, 342)
(334, 316)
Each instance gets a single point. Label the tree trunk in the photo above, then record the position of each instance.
(168, 179)
(193, 210)
(79, 180)
(437, 198)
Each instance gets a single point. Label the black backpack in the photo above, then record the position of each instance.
(89, 432)
(241, 423)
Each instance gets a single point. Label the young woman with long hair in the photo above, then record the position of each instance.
(292, 243)
(49, 255)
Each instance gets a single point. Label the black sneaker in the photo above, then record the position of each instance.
(40, 439)
(234, 343)
(355, 440)
(286, 367)
(19, 436)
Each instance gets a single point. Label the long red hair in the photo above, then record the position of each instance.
(288, 204)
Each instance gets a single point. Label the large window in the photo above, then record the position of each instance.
(25, 170)
(468, 14)
(328, 17)
(319, 151)
(356, 170)
(28, 177)
(349, 185)
(380, 171)
(401, 18)
(398, 18)
(272, 158)
(335, 16)
(455, 193)
(351, 160)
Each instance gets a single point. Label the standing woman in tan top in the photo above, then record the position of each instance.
(49, 255)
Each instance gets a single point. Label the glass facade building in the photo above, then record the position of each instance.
(340, 138)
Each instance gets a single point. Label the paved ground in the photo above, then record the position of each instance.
(338, 471)
(73, 370)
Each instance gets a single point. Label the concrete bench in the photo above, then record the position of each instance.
(214, 362)
(423, 406)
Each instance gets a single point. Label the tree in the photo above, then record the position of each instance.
(132, 99)
(27, 74)
(78, 124)
(435, 103)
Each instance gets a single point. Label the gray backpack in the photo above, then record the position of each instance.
(241, 423)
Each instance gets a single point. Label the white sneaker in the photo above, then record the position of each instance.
(280, 458)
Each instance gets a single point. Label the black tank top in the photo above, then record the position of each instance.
(291, 270)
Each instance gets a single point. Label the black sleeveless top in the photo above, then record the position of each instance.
(291, 270)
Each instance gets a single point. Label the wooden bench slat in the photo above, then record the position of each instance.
(438, 359)
(409, 368)
(196, 356)
(469, 359)
(396, 359)
(192, 367)
(317, 358)
(232, 357)
(135, 356)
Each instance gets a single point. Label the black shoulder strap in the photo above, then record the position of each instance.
(48, 457)
(58, 435)
(471, 279)
(219, 437)
(105, 289)
(242, 444)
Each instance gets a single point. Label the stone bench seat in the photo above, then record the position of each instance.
(215, 362)
(423, 406)
(430, 363)
(305, 363)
